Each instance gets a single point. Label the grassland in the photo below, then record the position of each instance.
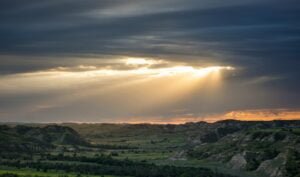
(150, 150)
(31, 172)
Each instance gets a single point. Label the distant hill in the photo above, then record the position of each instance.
(264, 148)
(27, 138)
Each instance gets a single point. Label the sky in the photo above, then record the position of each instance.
(158, 61)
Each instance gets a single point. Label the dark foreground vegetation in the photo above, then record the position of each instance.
(222, 149)
(104, 165)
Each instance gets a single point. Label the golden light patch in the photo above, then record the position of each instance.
(140, 61)
(264, 114)
(137, 89)
(244, 115)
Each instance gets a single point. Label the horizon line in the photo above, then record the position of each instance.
(147, 123)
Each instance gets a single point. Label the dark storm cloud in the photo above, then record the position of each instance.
(69, 27)
(261, 38)
(264, 35)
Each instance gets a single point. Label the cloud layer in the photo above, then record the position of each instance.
(41, 39)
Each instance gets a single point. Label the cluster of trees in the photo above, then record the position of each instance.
(9, 175)
(105, 165)
(111, 146)
(27, 175)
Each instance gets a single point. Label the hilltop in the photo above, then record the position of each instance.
(27, 138)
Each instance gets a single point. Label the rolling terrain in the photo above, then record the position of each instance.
(225, 148)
